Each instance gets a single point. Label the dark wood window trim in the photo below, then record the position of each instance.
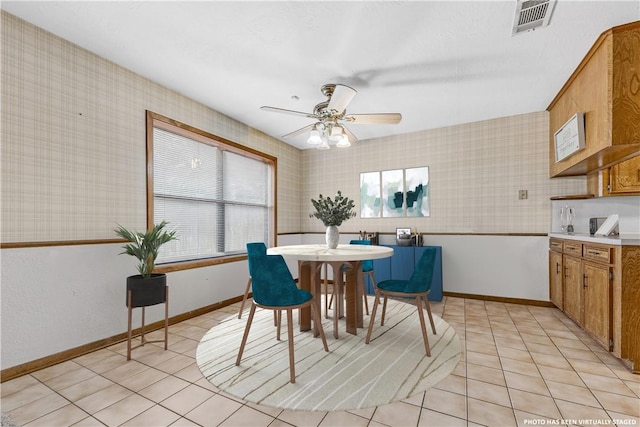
(155, 120)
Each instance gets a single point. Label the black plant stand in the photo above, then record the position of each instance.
(131, 304)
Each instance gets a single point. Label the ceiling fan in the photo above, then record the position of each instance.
(331, 116)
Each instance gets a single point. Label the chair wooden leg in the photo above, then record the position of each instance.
(278, 323)
(433, 325)
(292, 368)
(317, 318)
(338, 288)
(366, 303)
(246, 333)
(373, 316)
(384, 309)
(336, 310)
(327, 303)
(373, 282)
(423, 326)
(244, 298)
(364, 294)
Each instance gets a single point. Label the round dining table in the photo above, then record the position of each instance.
(311, 257)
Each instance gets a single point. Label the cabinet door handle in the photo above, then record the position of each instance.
(557, 268)
(584, 281)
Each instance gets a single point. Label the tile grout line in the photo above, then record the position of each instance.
(590, 345)
(489, 312)
(513, 410)
(572, 367)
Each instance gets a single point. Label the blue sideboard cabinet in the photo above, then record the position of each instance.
(401, 265)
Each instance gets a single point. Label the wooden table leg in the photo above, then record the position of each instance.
(353, 295)
(338, 295)
(309, 279)
(359, 295)
(316, 291)
(305, 278)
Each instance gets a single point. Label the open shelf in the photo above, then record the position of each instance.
(573, 197)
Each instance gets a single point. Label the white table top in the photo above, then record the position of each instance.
(320, 252)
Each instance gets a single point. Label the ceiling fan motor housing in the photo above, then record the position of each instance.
(327, 89)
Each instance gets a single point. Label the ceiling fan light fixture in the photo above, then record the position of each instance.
(329, 116)
(343, 142)
(324, 145)
(336, 133)
(314, 137)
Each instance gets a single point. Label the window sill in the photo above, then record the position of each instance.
(188, 265)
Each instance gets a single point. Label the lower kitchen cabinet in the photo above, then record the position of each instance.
(556, 294)
(400, 266)
(573, 288)
(596, 316)
(598, 287)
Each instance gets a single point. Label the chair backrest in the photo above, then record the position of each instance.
(422, 276)
(272, 282)
(367, 265)
(256, 248)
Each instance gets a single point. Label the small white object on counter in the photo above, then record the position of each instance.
(607, 228)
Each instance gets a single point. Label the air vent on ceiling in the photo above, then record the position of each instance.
(532, 14)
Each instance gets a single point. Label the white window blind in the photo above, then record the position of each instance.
(217, 200)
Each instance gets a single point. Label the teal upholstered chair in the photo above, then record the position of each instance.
(418, 286)
(257, 248)
(275, 289)
(367, 270)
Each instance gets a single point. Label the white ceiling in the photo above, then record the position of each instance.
(437, 63)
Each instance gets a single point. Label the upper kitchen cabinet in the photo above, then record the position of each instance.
(606, 88)
(621, 179)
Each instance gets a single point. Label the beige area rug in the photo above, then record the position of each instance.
(392, 367)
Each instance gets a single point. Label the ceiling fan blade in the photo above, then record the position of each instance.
(282, 110)
(349, 134)
(374, 118)
(341, 97)
(300, 131)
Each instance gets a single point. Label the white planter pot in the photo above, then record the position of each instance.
(332, 236)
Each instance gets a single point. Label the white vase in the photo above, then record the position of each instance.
(332, 236)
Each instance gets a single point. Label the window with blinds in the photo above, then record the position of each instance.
(218, 195)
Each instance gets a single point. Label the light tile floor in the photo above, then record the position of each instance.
(522, 365)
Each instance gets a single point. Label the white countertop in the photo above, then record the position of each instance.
(631, 239)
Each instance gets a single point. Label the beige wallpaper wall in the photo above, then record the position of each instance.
(73, 140)
(73, 154)
(475, 169)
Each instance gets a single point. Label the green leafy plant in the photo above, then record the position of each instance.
(333, 211)
(145, 246)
